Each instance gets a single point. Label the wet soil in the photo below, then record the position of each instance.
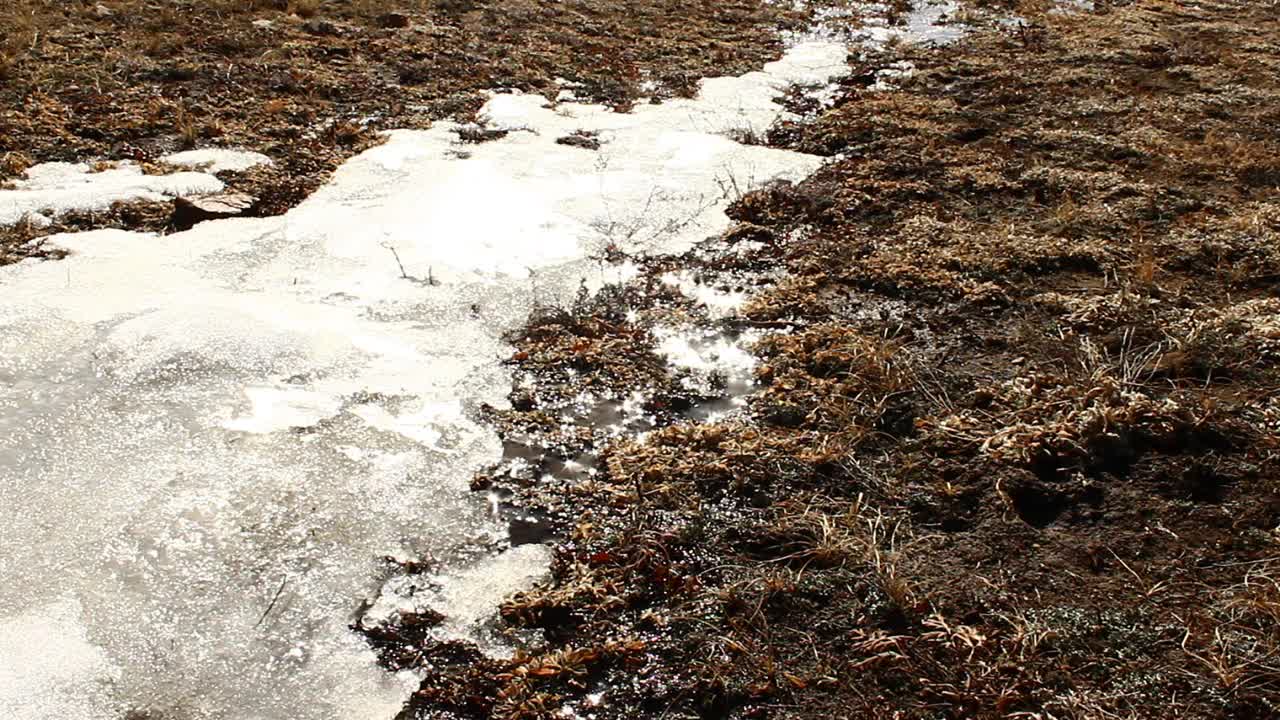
(1012, 450)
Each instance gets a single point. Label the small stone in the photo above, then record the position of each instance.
(102, 11)
(476, 134)
(523, 401)
(189, 211)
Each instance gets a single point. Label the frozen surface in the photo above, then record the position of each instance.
(467, 597)
(209, 440)
(54, 189)
(216, 160)
(51, 670)
(866, 23)
(929, 21)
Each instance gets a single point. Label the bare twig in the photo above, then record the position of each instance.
(274, 600)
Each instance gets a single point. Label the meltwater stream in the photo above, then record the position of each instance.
(209, 440)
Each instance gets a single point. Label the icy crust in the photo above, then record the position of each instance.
(216, 160)
(466, 598)
(210, 440)
(53, 189)
(660, 180)
(50, 190)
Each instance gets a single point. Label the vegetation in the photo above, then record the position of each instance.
(1013, 450)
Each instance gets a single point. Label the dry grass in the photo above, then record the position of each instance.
(23, 23)
(1238, 641)
(187, 128)
(1021, 424)
(305, 8)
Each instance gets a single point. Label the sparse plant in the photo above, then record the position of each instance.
(746, 135)
(186, 127)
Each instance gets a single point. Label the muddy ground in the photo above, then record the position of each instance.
(310, 82)
(1013, 449)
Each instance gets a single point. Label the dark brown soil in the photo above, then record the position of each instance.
(1013, 454)
(309, 82)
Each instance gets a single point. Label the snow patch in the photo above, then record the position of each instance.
(54, 189)
(50, 668)
(216, 160)
(211, 438)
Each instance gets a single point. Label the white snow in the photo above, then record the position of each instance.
(209, 439)
(216, 160)
(53, 189)
(50, 668)
(926, 23)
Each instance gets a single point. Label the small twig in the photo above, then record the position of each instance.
(638, 508)
(396, 255)
(404, 274)
(274, 600)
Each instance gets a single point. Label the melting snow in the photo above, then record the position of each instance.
(209, 439)
(718, 301)
(718, 361)
(707, 352)
(926, 23)
(54, 189)
(216, 160)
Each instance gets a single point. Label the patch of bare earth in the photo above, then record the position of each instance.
(1013, 454)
